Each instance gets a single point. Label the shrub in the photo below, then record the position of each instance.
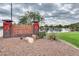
(41, 34)
(51, 36)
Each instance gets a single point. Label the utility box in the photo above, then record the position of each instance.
(7, 24)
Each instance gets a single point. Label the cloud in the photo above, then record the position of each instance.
(57, 13)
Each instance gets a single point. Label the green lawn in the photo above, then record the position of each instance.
(71, 37)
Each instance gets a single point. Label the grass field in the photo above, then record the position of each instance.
(71, 37)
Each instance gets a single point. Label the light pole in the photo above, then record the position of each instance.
(11, 11)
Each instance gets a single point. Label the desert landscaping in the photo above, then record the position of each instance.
(40, 47)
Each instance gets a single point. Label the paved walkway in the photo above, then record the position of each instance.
(41, 47)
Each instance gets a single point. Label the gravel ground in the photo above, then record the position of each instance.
(41, 47)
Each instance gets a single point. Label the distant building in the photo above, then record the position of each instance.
(59, 30)
(65, 30)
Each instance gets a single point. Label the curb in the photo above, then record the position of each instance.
(68, 44)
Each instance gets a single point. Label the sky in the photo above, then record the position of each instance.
(54, 13)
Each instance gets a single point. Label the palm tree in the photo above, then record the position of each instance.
(29, 17)
(23, 19)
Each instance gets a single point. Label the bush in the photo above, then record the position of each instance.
(51, 36)
(41, 34)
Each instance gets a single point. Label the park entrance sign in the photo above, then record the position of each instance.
(19, 30)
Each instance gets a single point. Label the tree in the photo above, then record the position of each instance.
(66, 26)
(51, 27)
(23, 19)
(60, 26)
(29, 17)
(41, 28)
(46, 27)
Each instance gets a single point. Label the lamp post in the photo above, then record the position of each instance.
(11, 11)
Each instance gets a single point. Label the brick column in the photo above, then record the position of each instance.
(7, 24)
(35, 27)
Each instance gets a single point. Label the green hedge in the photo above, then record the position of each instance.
(41, 34)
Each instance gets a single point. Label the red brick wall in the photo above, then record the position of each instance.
(21, 30)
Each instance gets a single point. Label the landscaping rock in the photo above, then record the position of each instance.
(34, 37)
(29, 39)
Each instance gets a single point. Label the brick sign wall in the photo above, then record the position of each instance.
(18, 30)
(22, 30)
